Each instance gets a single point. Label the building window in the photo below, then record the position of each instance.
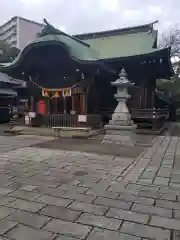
(8, 33)
(13, 43)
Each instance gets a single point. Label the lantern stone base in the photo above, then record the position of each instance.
(122, 135)
(120, 129)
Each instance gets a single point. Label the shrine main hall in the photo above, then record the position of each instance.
(71, 75)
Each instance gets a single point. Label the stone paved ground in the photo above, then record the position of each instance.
(8, 143)
(61, 195)
(93, 146)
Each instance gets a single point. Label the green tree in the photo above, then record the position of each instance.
(7, 53)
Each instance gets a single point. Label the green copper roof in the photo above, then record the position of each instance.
(122, 42)
(77, 50)
(94, 47)
(8, 91)
(123, 46)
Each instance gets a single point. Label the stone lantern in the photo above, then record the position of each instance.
(120, 126)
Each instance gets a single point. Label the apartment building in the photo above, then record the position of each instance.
(19, 31)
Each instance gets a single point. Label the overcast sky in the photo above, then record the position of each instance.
(78, 16)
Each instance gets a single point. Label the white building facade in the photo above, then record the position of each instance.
(18, 32)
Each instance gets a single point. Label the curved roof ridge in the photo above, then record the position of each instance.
(49, 29)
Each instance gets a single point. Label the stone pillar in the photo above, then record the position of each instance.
(119, 129)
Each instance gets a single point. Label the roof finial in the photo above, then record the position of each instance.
(48, 29)
(45, 21)
(123, 73)
(51, 30)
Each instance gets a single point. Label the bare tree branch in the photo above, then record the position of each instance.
(171, 39)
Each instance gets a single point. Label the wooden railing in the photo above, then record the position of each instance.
(175, 109)
(63, 120)
(150, 120)
(149, 113)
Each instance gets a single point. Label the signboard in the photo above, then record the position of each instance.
(31, 114)
(82, 118)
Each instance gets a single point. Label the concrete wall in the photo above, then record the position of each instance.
(27, 32)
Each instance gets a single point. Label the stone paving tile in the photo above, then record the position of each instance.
(29, 219)
(28, 188)
(26, 205)
(4, 238)
(60, 212)
(164, 173)
(161, 181)
(6, 226)
(89, 182)
(169, 191)
(148, 174)
(88, 208)
(118, 188)
(101, 193)
(78, 197)
(165, 223)
(176, 214)
(99, 221)
(6, 200)
(67, 228)
(148, 194)
(60, 202)
(102, 234)
(174, 185)
(61, 237)
(136, 199)
(175, 235)
(167, 196)
(29, 196)
(145, 181)
(168, 204)
(22, 232)
(139, 187)
(127, 215)
(175, 179)
(5, 191)
(69, 187)
(50, 191)
(5, 211)
(113, 203)
(145, 231)
(152, 210)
